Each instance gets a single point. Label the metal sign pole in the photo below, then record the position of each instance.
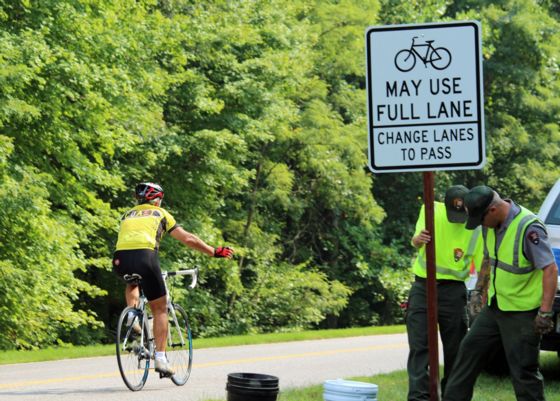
(431, 286)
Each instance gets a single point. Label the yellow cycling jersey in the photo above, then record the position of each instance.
(143, 226)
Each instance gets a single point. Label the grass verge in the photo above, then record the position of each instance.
(67, 352)
(393, 386)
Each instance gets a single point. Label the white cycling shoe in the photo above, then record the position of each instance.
(163, 367)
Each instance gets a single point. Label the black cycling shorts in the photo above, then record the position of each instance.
(145, 262)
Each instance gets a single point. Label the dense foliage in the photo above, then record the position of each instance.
(252, 115)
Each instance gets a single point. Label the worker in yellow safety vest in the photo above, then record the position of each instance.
(518, 281)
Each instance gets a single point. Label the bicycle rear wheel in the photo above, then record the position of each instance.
(405, 60)
(133, 355)
(179, 345)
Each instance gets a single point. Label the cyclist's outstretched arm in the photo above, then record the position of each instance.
(192, 241)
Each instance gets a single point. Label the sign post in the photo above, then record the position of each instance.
(425, 113)
(431, 286)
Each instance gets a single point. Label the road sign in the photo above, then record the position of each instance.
(425, 97)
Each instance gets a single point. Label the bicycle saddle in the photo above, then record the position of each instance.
(429, 41)
(133, 278)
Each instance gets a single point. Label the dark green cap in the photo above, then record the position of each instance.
(476, 202)
(454, 204)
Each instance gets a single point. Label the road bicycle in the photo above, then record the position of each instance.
(136, 348)
(439, 57)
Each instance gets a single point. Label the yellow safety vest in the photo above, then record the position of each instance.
(514, 281)
(455, 247)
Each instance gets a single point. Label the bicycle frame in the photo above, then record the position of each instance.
(146, 316)
(194, 274)
(414, 46)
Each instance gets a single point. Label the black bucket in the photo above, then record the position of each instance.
(251, 387)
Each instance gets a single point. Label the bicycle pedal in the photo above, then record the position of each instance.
(165, 375)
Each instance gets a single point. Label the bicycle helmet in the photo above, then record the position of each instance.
(148, 192)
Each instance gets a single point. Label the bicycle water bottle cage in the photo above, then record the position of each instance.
(133, 278)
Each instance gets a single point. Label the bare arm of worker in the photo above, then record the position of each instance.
(479, 294)
(549, 283)
(483, 277)
(421, 239)
(192, 241)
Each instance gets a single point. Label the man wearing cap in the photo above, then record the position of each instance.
(519, 279)
(456, 248)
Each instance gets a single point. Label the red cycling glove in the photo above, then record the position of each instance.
(223, 252)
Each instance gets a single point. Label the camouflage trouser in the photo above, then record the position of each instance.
(492, 329)
(452, 323)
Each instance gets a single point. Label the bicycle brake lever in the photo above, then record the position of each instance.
(194, 279)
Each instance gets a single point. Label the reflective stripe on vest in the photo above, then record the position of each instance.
(514, 281)
(448, 237)
(458, 274)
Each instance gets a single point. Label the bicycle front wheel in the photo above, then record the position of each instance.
(133, 355)
(440, 58)
(179, 345)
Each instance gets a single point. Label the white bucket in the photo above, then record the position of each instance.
(347, 390)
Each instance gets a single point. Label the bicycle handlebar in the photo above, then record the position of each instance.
(190, 272)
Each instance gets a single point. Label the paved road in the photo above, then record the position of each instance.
(297, 364)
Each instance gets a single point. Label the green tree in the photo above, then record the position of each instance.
(252, 116)
(81, 108)
(521, 50)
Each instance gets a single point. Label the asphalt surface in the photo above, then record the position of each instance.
(296, 364)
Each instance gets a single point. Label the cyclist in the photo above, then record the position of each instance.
(141, 230)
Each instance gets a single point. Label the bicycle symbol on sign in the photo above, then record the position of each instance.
(438, 57)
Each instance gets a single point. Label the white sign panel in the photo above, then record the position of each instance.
(425, 97)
